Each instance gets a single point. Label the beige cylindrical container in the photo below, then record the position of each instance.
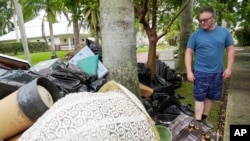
(14, 138)
(20, 109)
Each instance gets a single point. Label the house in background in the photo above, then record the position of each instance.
(63, 34)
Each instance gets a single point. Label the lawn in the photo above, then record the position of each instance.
(42, 56)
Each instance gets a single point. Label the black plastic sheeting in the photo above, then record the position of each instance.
(164, 104)
(11, 80)
(67, 77)
(70, 78)
(97, 50)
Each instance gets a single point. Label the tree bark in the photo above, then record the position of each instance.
(186, 19)
(118, 42)
(22, 30)
(76, 35)
(52, 39)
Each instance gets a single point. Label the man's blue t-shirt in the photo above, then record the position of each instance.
(209, 48)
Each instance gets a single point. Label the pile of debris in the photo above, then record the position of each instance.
(49, 81)
(163, 104)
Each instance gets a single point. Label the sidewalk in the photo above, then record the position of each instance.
(238, 103)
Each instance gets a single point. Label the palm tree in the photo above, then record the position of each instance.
(6, 13)
(118, 42)
(51, 8)
(22, 30)
(75, 8)
(92, 17)
(186, 19)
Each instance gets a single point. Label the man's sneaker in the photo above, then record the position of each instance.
(206, 123)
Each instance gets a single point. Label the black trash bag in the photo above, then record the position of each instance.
(170, 75)
(178, 96)
(69, 78)
(177, 81)
(167, 102)
(161, 68)
(144, 74)
(160, 98)
(173, 106)
(165, 119)
(97, 84)
(21, 76)
(147, 103)
(186, 109)
(95, 48)
(11, 80)
(161, 85)
(173, 109)
(164, 71)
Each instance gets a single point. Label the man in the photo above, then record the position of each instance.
(208, 44)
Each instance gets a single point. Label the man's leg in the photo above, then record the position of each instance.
(199, 108)
(207, 106)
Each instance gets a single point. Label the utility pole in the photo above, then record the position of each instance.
(22, 30)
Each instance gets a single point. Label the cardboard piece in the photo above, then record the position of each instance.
(145, 90)
(86, 52)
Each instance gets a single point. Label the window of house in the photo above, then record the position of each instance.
(65, 40)
(38, 40)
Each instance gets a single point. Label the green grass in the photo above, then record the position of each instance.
(145, 48)
(42, 56)
(142, 49)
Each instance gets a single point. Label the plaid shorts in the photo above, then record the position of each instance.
(207, 85)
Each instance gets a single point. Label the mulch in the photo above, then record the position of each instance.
(222, 111)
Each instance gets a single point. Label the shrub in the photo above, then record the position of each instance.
(242, 35)
(14, 48)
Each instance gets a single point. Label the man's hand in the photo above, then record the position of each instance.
(227, 73)
(190, 76)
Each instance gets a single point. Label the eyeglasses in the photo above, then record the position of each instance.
(204, 20)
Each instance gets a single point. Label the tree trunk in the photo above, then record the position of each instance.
(186, 19)
(151, 62)
(22, 30)
(97, 38)
(118, 42)
(52, 39)
(77, 36)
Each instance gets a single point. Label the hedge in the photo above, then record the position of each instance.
(243, 35)
(15, 48)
